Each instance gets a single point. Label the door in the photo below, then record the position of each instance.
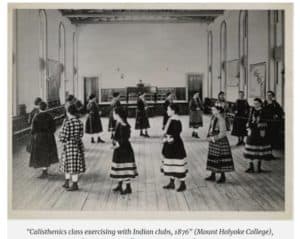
(90, 87)
(195, 83)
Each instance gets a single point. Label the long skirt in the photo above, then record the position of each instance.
(174, 168)
(111, 122)
(219, 158)
(196, 119)
(123, 163)
(72, 160)
(239, 126)
(43, 150)
(257, 147)
(93, 124)
(142, 121)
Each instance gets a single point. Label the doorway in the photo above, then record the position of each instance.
(195, 83)
(91, 86)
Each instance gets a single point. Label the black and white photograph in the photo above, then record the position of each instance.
(150, 109)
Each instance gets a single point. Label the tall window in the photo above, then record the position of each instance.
(62, 59)
(210, 64)
(43, 53)
(223, 55)
(243, 50)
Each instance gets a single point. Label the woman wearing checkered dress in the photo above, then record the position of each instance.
(174, 163)
(123, 166)
(257, 146)
(72, 160)
(219, 151)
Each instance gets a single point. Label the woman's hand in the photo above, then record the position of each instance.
(248, 131)
(262, 133)
(115, 145)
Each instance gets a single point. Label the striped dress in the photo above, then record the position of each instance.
(219, 158)
(123, 162)
(174, 163)
(257, 143)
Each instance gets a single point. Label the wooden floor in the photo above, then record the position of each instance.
(242, 192)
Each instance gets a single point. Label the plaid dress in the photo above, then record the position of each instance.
(219, 158)
(72, 158)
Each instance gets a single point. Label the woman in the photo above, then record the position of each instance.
(72, 163)
(123, 166)
(196, 112)
(241, 113)
(115, 103)
(43, 145)
(221, 102)
(35, 110)
(274, 113)
(31, 115)
(142, 122)
(93, 123)
(257, 145)
(219, 158)
(168, 101)
(174, 163)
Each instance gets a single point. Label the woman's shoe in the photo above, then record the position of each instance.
(182, 187)
(74, 187)
(250, 169)
(66, 184)
(128, 189)
(92, 140)
(171, 184)
(212, 177)
(100, 140)
(118, 188)
(222, 179)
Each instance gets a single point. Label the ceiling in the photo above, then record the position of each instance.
(101, 16)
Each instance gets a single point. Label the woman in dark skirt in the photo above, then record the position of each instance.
(72, 158)
(257, 144)
(241, 114)
(174, 163)
(219, 158)
(168, 101)
(221, 102)
(196, 111)
(274, 114)
(43, 145)
(142, 121)
(35, 110)
(93, 124)
(123, 166)
(31, 115)
(115, 103)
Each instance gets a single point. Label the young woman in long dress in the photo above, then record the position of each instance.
(257, 146)
(196, 114)
(72, 159)
(219, 159)
(142, 121)
(93, 124)
(123, 167)
(241, 113)
(174, 164)
(43, 144)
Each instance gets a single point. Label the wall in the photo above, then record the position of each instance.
(160, 54)
(258, 45)
(27, 53)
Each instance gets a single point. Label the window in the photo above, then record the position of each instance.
(62, 58)
(43, 52)
(243, 50)
(223, 55)
(210, 64)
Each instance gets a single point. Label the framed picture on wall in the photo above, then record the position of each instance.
(257, 82)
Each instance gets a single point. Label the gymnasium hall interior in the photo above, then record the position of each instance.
(62, 52)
